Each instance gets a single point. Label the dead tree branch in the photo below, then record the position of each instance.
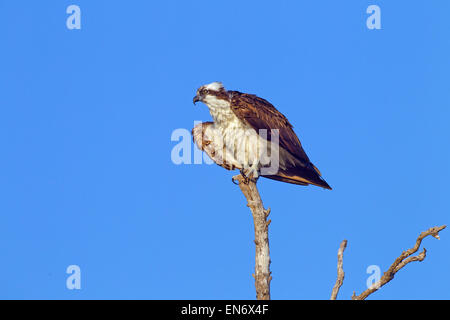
(262, 273)
(405, 258)
(340, 271)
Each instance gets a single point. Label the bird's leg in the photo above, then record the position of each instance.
(254, 170)
(246, 179)
(250, 174)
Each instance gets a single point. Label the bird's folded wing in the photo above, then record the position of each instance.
(262, 115)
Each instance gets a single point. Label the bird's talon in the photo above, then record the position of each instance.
(250, 176)
(246, 179)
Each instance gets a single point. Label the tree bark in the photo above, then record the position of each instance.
(262, 273)
(340, 271)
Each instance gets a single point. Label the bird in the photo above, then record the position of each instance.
(249, 134)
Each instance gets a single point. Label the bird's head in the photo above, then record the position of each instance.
(210, 93)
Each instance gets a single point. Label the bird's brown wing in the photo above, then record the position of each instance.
(261, 114)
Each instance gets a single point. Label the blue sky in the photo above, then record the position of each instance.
(86, 120)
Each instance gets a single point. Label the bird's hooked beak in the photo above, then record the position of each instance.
(196, 99)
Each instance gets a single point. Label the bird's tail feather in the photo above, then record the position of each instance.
(300, 176)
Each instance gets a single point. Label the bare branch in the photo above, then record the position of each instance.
(405, 258)
(340, 271)
(262, 273)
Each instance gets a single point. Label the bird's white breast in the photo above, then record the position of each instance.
(241, 141)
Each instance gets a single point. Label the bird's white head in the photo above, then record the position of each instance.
(213, 94)
(214, 86)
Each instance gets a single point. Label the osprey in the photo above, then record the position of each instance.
(249, 134)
